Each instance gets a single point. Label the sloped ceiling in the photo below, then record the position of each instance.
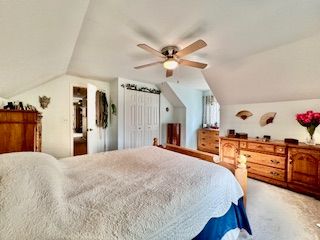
(257, 51)
(37, 40)
(241, 37)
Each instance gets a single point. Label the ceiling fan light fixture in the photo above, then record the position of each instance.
(170, 64)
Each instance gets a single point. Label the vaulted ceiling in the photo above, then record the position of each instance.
(257, 51)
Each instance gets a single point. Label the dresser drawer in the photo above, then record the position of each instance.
(280, 149)
(265, 159)
(243, 144)
(211, 133)
(274, 173)
(260, 147)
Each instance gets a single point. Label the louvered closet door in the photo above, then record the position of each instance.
(130, 118)
(140, 119)
(151, 118)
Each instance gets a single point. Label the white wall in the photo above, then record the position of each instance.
(192, 100)
(165, 117)
(57, 118)
(284, 125)
(3, 102)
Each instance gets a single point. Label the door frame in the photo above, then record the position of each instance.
(72, 85)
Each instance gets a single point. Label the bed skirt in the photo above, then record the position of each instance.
(235, 218)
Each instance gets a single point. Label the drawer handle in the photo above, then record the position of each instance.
(259, 146)
(203, 144)
(274, 173)
(247, 155)
(203, 139)
(274, 161)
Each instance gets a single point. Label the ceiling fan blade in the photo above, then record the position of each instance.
(192, 63)
(191, 48)
(151, 50)
(169, 73)
(147, 65)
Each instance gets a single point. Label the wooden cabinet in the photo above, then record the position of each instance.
(296, 167)
(304, 169)
(174, 133)
(208, 140)
(20, 131)
(229, 151)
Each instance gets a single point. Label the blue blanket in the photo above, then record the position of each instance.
(216, 228)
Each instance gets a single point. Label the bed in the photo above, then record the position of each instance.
(145, 193)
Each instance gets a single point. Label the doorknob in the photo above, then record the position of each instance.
(90, 129)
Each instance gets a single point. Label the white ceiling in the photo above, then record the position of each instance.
(252, 45)
(37, 40)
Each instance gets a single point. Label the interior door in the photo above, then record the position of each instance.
(92, 131)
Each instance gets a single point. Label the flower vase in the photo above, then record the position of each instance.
(310, 139)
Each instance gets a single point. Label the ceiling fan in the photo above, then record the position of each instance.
(172, 56)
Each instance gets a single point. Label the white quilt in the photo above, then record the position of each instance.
(146, 193)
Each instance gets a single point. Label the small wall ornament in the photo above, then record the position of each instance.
(244, 114)
(267, 118)
(44, 101)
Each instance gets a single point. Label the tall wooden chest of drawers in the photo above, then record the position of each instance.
(208, 140)
(20, 131)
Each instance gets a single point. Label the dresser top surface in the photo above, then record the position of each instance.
(274, 142)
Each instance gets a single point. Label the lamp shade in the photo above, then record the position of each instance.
(170, 64)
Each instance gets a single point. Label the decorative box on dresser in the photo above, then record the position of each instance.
(208, 140)
(20, 131)
(296, 167)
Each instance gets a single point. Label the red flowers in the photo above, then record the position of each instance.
(308, 119)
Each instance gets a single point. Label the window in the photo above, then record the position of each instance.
(211, 111)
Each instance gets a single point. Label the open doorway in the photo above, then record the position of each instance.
(80, 121)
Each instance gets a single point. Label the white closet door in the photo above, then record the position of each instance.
(151, 127)
(140, 119)
(130, 118)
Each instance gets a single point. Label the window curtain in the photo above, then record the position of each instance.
(211, 111)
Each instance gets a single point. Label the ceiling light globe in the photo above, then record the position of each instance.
(170, 64)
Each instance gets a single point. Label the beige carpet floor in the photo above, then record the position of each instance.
(279, 214)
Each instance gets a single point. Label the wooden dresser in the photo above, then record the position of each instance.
(208, 140)
(296, 167)
(20, 131)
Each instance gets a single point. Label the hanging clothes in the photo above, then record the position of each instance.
(101, 109)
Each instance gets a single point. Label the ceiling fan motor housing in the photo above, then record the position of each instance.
(169, 51)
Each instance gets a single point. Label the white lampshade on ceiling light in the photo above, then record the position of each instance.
(170, 64)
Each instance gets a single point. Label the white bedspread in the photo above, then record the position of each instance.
(146, 193)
